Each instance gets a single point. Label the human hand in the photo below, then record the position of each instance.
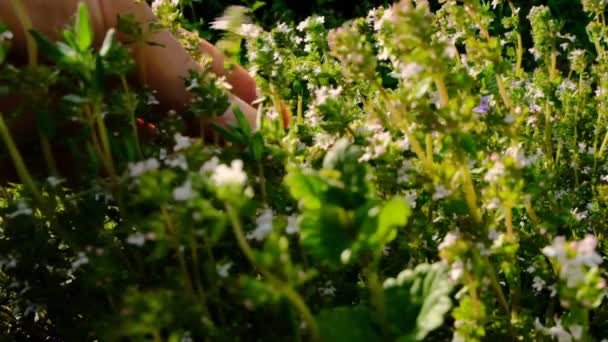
(160, 67)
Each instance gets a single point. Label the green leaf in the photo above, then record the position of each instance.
(47, 47)
(242, 122)
(83, 28)
(418, 301)
(309, 189)
(394, 214)
(347, 324)
(324, 233)
(227, 134)
(257, 5)
(257, 146)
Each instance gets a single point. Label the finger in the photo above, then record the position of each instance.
(243, 85)
(229, 118)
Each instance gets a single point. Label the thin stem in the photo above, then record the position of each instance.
(411, 137)
(531, 212)
(132, 108)
(520, 48)
(548, 132)
(603, 146)
(47, 152)
(179, 251)
(300, 114)
(444, 96)
(470, 194)
(262, 181)
(503, 91)
(509, 221)
(197, 275)
(26, 23)
(295, 299)
(429, 147)
(22, 171)
(553, 67)
(377, 296)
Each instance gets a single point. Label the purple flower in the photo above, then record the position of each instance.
(484, 105)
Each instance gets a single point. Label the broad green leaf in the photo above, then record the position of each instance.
(324, 233)
(394, 214)
(83, 28)
(417, 301)
(309, 189)
(347, 324)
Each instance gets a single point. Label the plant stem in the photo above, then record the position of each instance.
(520, 48)
(509, 221)
(411, 137)
(197, 275)
(548, 132)
(26, 24)
(503, 92)
(262, 181)
(469, 192)
(300, 114)
(179, 252)
(22, 171)
(47, 152)
(377, 296)
(132, 108)
(444, 96)
(553, 67)
(32, 53)
(429, 147)
(295, 299)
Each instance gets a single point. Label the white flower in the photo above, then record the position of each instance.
(410, 198)
(572, 257)
(323, 94)
(328, 289)
(54, 181)
(538, 283)
(139, 168)
(586, 252)
(223, 269)
(495, 172)
(324, 140)
(264, 226)
(292, 225)
(178, 161)
(449, 240)
(456, 270)
(82, 259)
(6, 35)
(229, 176)
(22, 209)
(181, 142)
(137, 239)
(183, 192)
(579, 215)
(441, 192)
(250, 31)
(310, 21)
(558, 331)
(408, 70)
(210, 165)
